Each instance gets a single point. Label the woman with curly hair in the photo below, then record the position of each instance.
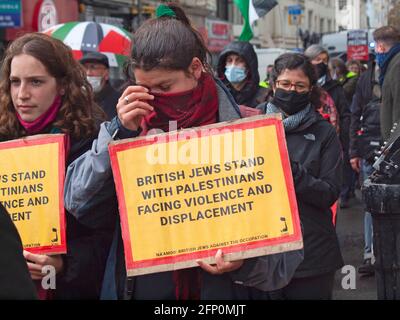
(43, 90)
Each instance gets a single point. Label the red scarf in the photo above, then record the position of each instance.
(44, 120)
(193, 108)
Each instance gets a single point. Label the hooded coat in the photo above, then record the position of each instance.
(251, 94)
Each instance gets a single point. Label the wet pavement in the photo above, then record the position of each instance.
(350, 230)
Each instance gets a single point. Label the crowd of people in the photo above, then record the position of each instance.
(331, 113)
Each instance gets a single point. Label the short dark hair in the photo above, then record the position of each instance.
(387, 34)
(293, 61)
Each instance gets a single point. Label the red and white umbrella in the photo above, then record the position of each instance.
(83, 37)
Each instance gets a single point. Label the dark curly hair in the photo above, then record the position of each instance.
(79, 116)
(292, 61)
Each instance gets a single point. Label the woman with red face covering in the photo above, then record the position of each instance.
(173, 83)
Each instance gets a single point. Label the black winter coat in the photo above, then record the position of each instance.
(363, 95)
(316, 161)
(107, 99)
(337, 93)
(88, 244)
(15, 280)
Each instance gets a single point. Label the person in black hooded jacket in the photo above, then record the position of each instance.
(319, 58)
(238, 70)
(316, 161)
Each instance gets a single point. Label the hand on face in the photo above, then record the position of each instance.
(132, 106)
(36, 262)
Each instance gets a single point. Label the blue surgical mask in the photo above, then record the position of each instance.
(235, 74)
(381, 58)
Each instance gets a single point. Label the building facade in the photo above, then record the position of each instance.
(378, 12)
(33, 16)
(351, 14)
(278, 28)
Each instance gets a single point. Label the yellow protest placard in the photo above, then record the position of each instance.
(32, 172)
(185, 194)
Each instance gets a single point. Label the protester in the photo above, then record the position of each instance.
(16, 283)
(316, 162)
(173, 82)
(347, 79)
(387, 48)
(45, 91)
(98, 73)
(365, 140)
(319, 58)
(238, 70)
(354, 66)
(266, 82)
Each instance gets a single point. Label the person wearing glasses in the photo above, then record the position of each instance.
(316, 162)
(97, 71)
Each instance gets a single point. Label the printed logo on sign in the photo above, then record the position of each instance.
(47, 15)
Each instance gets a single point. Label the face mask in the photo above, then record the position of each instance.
(290, 102)
(322, 69)
(172, 101)
(95, 82)
(381, 58)
(235, 74)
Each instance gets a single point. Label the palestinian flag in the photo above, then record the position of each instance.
(252, 10)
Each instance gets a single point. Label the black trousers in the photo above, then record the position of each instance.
(310, 288)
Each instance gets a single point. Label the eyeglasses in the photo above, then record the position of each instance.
(287, 85)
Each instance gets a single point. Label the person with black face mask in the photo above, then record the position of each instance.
(319, 58)
(316, 162)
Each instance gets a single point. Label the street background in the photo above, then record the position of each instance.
(350, 231)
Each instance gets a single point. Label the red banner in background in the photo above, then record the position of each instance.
(37, 13)
(218, 34)
(357, 45)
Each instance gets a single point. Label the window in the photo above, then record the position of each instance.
(222, 9)
(342, 4)
(321, 25)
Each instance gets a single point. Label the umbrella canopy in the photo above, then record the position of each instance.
(87, 36)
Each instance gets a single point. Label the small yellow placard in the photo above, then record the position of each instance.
(32, 174)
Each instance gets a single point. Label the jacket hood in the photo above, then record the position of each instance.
(245, 50)
(330, 84)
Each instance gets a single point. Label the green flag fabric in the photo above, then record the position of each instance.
(251, 11)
